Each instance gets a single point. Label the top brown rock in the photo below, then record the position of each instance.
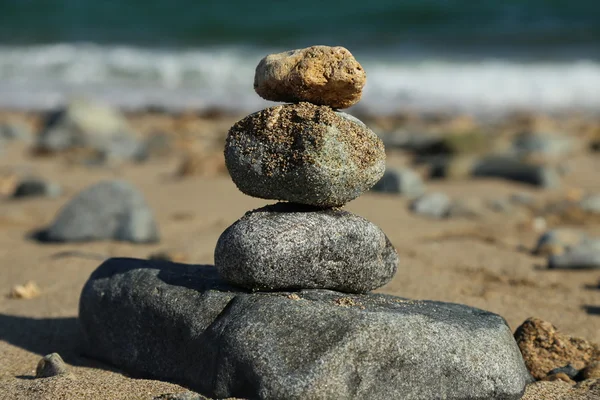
(322, 75)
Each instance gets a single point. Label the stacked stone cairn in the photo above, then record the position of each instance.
(287, 313)
(316, 159)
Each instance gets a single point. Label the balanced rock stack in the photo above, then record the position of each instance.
(286, 313)
(316, 159)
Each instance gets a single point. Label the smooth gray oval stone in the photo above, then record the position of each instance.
(289, 246)
(107, 210)
(305, 154)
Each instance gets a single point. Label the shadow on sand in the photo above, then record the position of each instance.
(592, 310)
(47, 335)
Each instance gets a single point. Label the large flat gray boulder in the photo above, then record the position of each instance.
(183, 323)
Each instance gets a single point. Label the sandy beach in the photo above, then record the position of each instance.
(483, 261)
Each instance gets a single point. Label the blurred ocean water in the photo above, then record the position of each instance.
(452, 55)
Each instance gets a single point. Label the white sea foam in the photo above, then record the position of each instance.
(41, 77)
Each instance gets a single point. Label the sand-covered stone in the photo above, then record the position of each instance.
(304, 153)
(51, 365)
(544, 348)
(106, 210)
(321, 75)
(290, 246)
(183, 323)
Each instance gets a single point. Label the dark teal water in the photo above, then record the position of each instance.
(463, 25)
(478, 56)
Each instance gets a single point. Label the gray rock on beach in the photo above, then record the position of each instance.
(402, 181)
(433, 205)
(290, 246)
(86, 124)
(321, 75)
(590, 203)
(15, 131)
(36, 187)
(516, 170)
(51, 365)
(557, 241)
(184, 324)
(107, 210)
(547, 145)
(305, 154)
(585, 256)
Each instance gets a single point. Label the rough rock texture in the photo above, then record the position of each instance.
(290, 246)
(183, 323)
(402, 181)
(544, 348)
(107, 210)
(51, 365)
(15, 131)
(304, 154)
(321, 75)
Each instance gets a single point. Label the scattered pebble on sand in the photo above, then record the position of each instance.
(51, 365)
(27, 291)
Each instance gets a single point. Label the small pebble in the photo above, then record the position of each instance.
(557, 241)
(581, 257)
(400, 180)
(466, 208)
(522, 199)
(590, 203)
(35, 187)
(434, 205)
(568, 369)
(15, 131)
(27, 291)
(500, 205)
(51, 365)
